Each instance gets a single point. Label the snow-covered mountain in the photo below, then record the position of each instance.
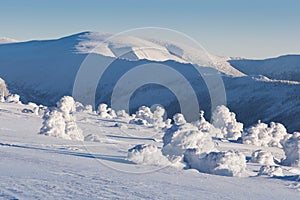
(4, 40)
(44, 71)
(136, 48)
(284, 67)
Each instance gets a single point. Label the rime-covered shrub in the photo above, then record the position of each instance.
(291, 147)
(3, 90)
(263, 135)
(262, 157)
(182, 136)
(40, 110)
(225, 120)
(105, 112)
(144, 116)
(60, 122)
(229, 163)
(270, 171)
(66, 105)
(147, 154)
(205, 126)
(54, 125)
(13, 98)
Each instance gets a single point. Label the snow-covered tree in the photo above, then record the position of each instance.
(3, 90)
(182, 136)
(205, 126)
(60, 122)
(229, 163)
(105, 112)
(291, 147)
(225, 120)
(265, 135)
(262, 157)
(147, 154)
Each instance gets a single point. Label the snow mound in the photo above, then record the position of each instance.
(144, 116)
(229, 163)
(262, 157)
(271, 171)
(60, 122)
(291, 149)
(182, 136)
(263, 135)
(147, 154)
(225, 120)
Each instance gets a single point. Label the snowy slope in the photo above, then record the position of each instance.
(33, 166)
(283, 67)
(141, 48)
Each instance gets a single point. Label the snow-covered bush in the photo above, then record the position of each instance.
(40, 110)
(144, 116)
(105, 112)
(122, 114)
(225, 120)
(182, 136)
(61, 123)
(291, 149)
(3, 90)
(229, 163)
(147, 154)
(205, 126)
(81, 108)
(13, 98)
(66, 105)
(88, 109)
(158, 117)
(179, 119)
(263, 135)
(271, 171)
(54, 125)
(262, 157)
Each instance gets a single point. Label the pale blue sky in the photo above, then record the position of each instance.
(253, 29)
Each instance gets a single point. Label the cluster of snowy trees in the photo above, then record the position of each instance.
(192, 145)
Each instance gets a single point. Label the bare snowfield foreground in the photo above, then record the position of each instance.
(35, 166)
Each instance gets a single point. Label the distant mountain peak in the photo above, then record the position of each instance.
(5, 40)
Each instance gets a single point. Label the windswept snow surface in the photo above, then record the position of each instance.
(34, 166)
